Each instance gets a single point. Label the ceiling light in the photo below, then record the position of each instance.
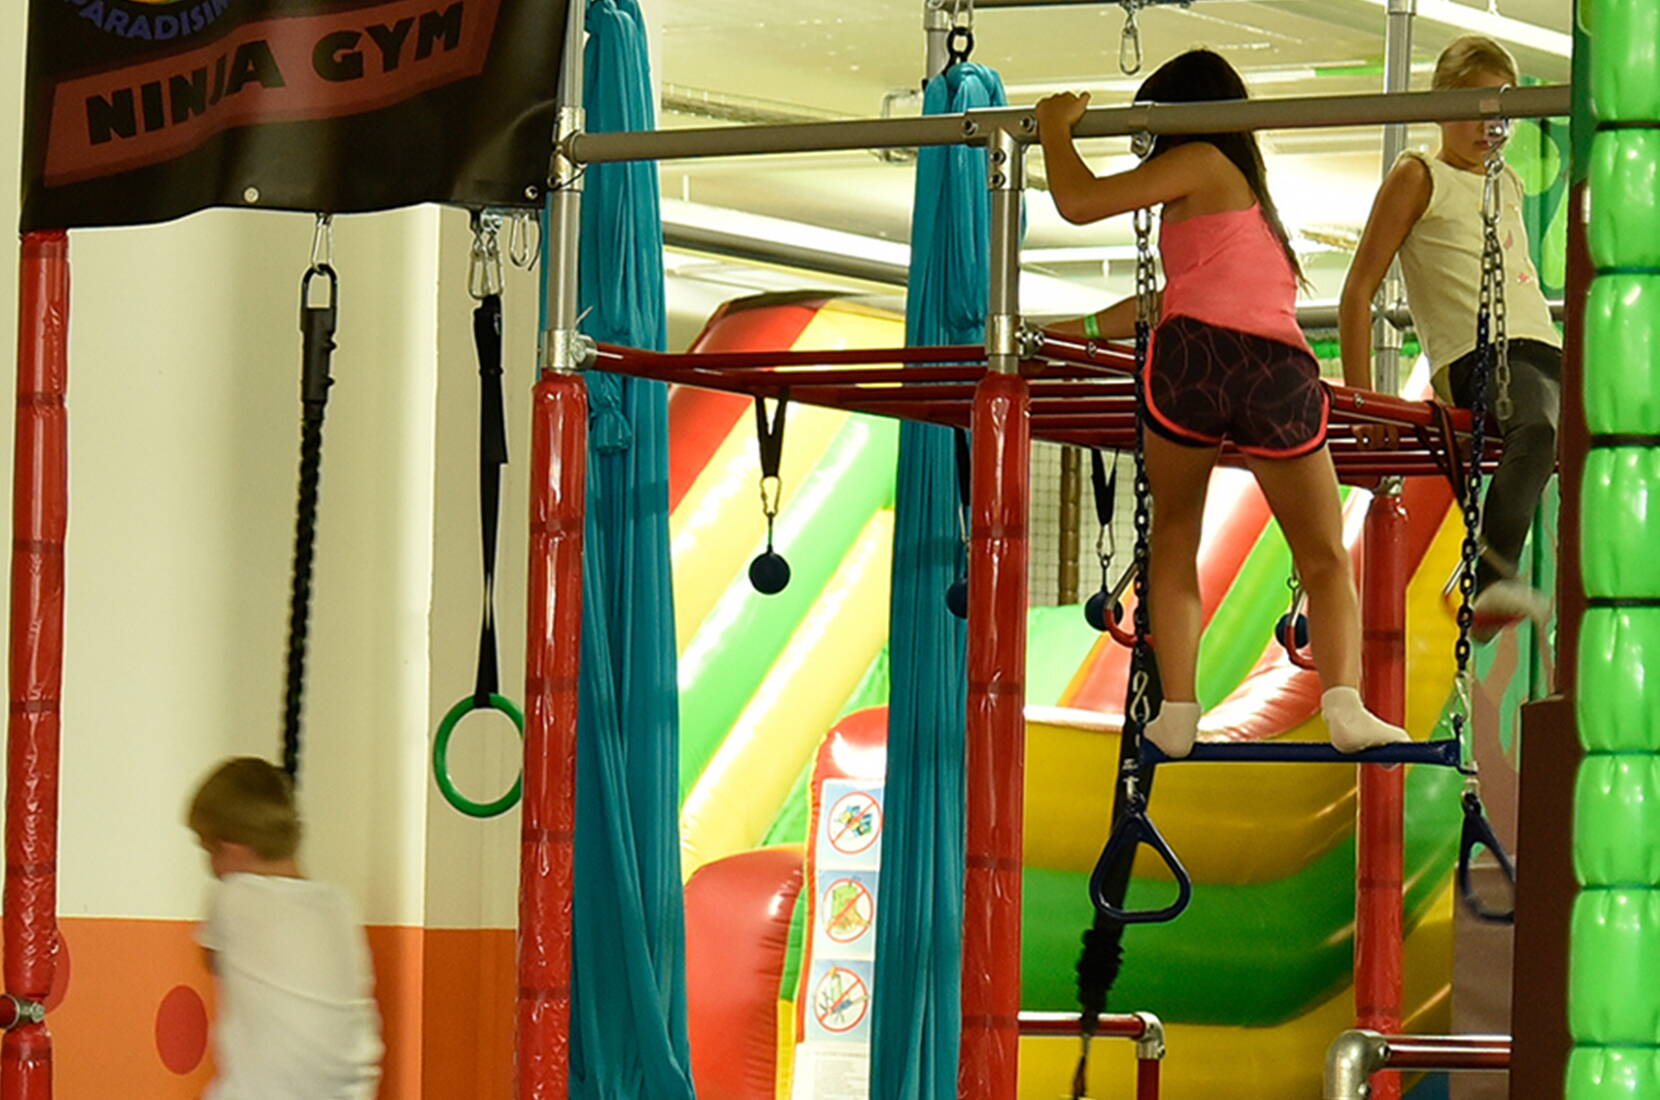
(1489, 22)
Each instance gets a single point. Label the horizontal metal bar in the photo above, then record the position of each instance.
(1448, 1052)
(1214, 117)
(1119, 1026)
(1443, 752)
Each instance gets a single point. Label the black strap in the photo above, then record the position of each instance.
(492, 456)
(770, 437)
(965, 467)
(1105, 485)
(317, 328)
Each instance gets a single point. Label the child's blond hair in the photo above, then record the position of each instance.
(247, 801)
(1471, 56)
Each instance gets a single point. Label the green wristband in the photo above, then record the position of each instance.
(1092, 327)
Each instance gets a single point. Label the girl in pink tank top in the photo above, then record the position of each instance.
(1228, 363)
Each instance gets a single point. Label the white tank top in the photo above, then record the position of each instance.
(1441, 262)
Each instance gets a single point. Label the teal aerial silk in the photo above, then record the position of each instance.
(918, 982)
(628, 1030)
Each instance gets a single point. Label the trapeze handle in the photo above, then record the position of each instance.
(1478, 833)
(1135, 828)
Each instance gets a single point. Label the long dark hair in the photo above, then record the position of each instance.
(1196, 77)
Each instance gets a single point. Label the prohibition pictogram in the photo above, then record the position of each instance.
(841, 1000)
(855, 823)
(848, 910)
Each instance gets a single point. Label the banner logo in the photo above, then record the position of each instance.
(151, 20)
(296, 69)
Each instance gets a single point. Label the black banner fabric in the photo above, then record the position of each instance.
(140, 111)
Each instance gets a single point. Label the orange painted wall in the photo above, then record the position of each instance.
(446, 1002)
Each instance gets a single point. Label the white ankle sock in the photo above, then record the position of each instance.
(1352, 726)
(1175, 728)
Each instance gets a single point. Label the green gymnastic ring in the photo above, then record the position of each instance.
(441, 758)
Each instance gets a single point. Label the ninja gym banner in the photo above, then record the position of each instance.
(143, 110)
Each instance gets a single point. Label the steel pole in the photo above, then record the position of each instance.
(40, 510)
(1387, 338)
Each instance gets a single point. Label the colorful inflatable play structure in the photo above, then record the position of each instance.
(1257, 977)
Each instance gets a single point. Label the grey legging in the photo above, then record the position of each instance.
(1529, 449)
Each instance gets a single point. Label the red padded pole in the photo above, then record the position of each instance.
(40, 510)
(1379, 851)
(553, 654)
(996, 738)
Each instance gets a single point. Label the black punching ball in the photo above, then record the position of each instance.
(956, 597)
(1095, 610)
(1299, 633)
(769, 573)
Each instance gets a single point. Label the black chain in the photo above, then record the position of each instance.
(1103, 954)
(1491, 364)
(1140, 709)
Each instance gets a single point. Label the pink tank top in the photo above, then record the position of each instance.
(1229, 269)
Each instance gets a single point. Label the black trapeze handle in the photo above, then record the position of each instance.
(1134, 829)
(1478, 833)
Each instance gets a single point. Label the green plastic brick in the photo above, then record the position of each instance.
(1622, 354)
(1618, 702)
(1625, 65)
(1617, 820)
(1620, 522)
(1613, 1073)
(1613, 997)
(1624, 230)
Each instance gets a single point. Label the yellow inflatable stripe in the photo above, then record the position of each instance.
(1240, 1063)
(738, 795)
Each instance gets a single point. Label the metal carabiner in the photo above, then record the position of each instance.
(322, 242)
(484, 267)
(523, 245)
(1130, 56)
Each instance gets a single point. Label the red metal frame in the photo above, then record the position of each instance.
(559, 459)
(40, 509)
(1449, 1052)
(1113, 1026)
(1079, 394)
(996, 736)
(1380, 857)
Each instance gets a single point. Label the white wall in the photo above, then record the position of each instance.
(184, 432)
(184, 425)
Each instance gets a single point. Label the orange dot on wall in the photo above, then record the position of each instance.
(181, 1029)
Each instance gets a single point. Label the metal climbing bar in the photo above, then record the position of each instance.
(1145, 1028)
(1356, 1055)
(977, 127)
(1442, 752)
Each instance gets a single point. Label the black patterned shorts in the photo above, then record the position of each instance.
(1206, 383)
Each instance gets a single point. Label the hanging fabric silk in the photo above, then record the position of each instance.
(628, 1031)
(918, 981)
